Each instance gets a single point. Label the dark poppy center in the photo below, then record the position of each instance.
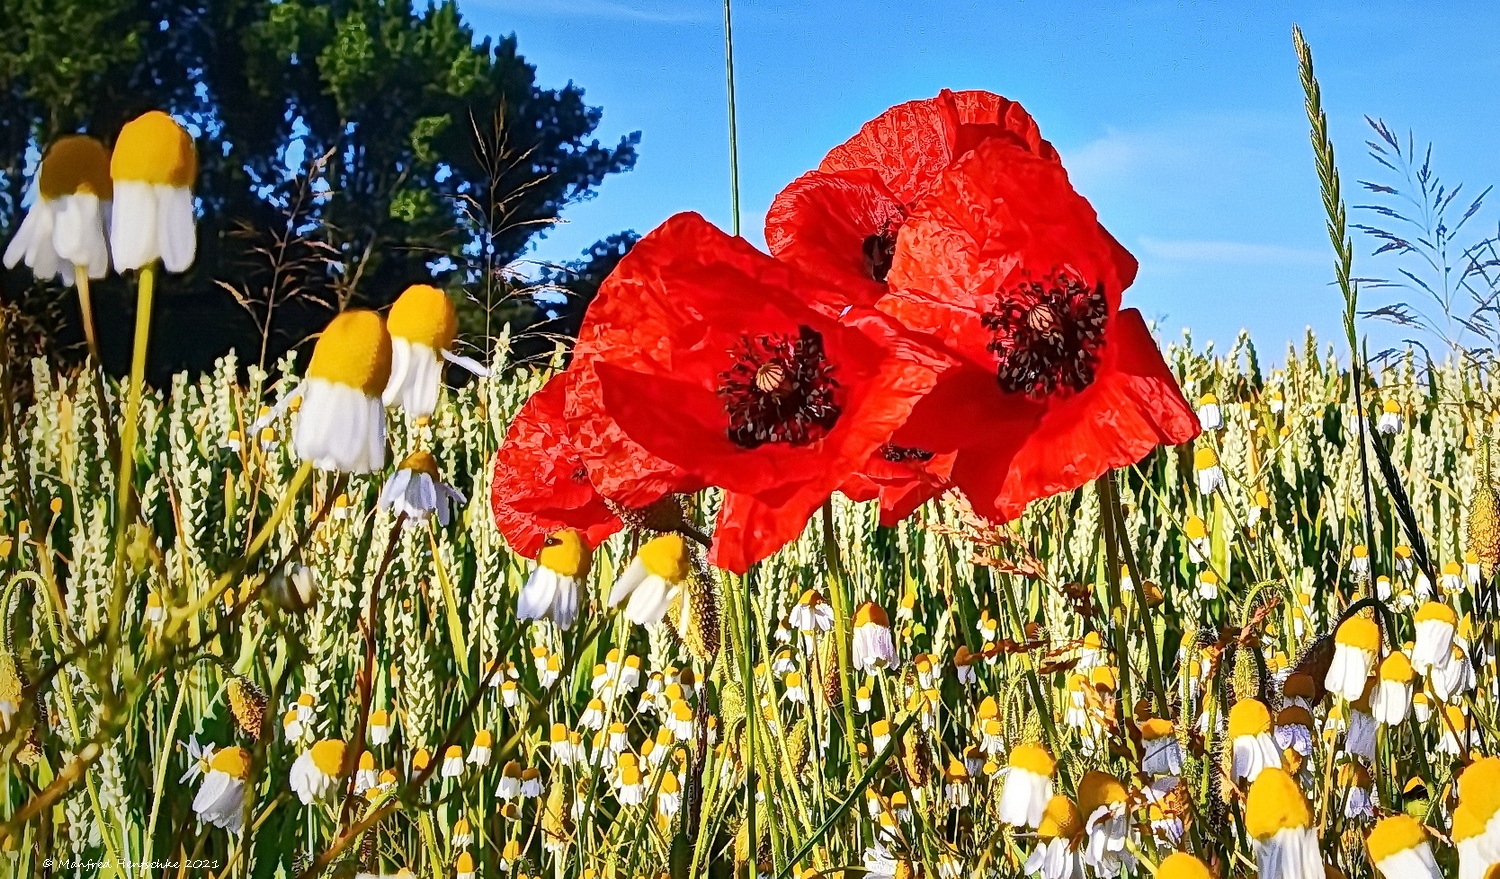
(904, 455)
(1047, 334)
(880, 252)
(780, 389)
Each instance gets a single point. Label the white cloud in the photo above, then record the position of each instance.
(1238, 252)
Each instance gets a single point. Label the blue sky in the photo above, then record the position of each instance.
(1181, 122)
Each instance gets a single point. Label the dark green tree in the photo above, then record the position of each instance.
(347, 149)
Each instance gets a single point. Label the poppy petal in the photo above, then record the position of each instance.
(828, 223)
(540, 485)
(910, 144)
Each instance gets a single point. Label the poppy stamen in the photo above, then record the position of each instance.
(1048, 333)
(779, 390)
(880, 252)
(903, 455)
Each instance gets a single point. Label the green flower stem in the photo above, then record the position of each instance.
(125, 480)
(838, 589)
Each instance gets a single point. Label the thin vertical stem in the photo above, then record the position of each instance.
(734, 148)
(86, 308)
(839, 589)
(125, 481)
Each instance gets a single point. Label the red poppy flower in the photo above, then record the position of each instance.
(1009, 266)
(705, 354)
(902, 479)
(841, 221)
(540, 485)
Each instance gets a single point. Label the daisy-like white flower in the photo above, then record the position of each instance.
(811, 614)
(510, 694)
(1210, 474)
(199, 758)
(462, 835)
(1196, 531)
(531, 782)
(1163, 753)
(1058, 832)
(679, 720)
(1354, 648)
(1390, 418)
(795, 691)
(880, 734)
(1362, 726)
(1391, 700)
(484, 743)
(463, 866)
(1454, 739)
(510, 781)
(221, 798)
(1452, 578)
(1105, 806)
(316, 769)
(300, 720)
(1208, 585)
(1400, 849)
(453, 762)
(653, 579)
(1027, 786)
(619, 738)
(669, 795)
(154, 612)
(593, 715)
(1281, 828)
(1209, 415)
(1255, 748)
(1091, 651)
(551, 592)
(380, 726)
(963, 665)
(1260, 506)
(154, 166)
(418, 490)
(1294, 726)
(988, 627)
(1452, 678)
(423, 324)
(561, 743)
(341, 425)
(1436, 626)
(1359, 561)
(1355, 781)
(630, 783)
(67, 223)
(873, 648)
(956, 786)
(365, 775)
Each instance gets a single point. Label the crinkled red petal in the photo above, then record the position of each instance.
(910, 144)
(998, 216)
(540, 485)
(820, 224)
(662, 330)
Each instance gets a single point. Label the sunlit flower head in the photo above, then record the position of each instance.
(1436, 626)
(1206, 466)
(417, 490)
(873, 648)
(1255, 747)
(1163, 753)
(1209, 415)
(422, 323)
(220, 800)
(653, 579)
(154, 166)
(67, 223)
(1355, 645)
(315, 770)
(1280, 823)
(1400, 849)
(342, 423)
(1391, 699)
(1027, 786)
(1390, 418)
(1105, 806)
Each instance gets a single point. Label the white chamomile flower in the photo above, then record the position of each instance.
(221, 798)
(66, 224)
(422, 324)
(551, 592)
(653, 579)
(417, 490)
(341, 423)
(316, 769)
(154, 165)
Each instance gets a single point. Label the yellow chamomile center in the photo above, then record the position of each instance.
(421, 461)
(1205, 458)
(424, 315)
(1433, 610)
(1275, 803)
(1359, 633)
(234, 762)
(1394, 834)
(666, 557)
(870, 613)
(1196, 528)
(76, 163)
(1396, 667)
(1249, 717)
(1098, 789)
(153, 148)
(1181, 865)
(328, 756)
(354, 351)
(1034, 759)
(567, 554)
(1060, 820)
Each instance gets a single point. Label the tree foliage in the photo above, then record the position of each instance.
(377, 107)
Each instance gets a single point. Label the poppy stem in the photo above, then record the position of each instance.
(838, 588)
